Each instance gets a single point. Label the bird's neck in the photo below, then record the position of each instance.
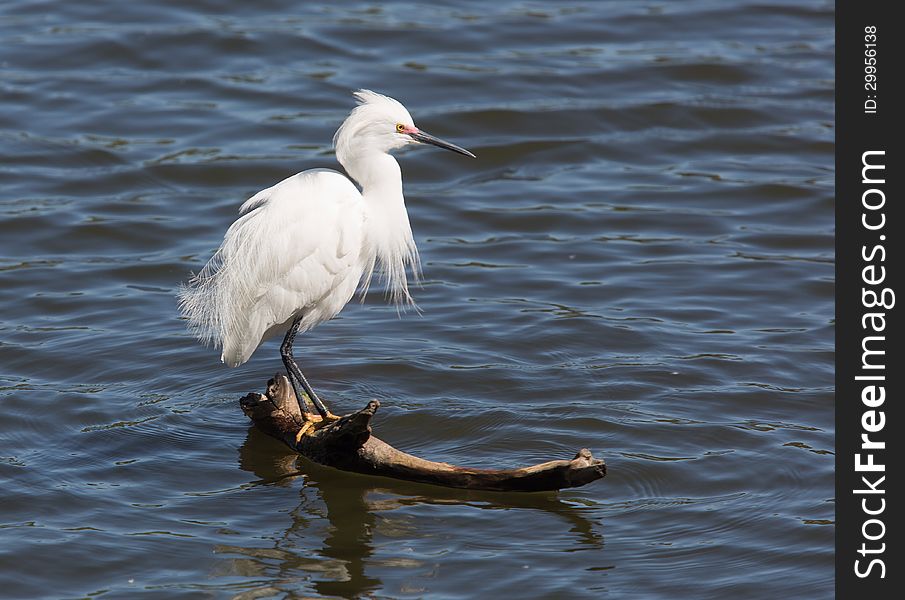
(377, 174)
(389, 234)
(380, 179)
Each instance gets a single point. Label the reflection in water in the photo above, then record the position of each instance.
(335, 557)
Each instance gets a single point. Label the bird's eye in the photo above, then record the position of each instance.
(400, 127)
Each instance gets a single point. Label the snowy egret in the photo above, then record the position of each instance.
(300, 249)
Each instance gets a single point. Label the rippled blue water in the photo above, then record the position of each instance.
(640, 262)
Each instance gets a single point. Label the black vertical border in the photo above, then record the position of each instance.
(858, 132)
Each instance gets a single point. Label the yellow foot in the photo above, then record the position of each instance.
(313, 423)
(308, 426)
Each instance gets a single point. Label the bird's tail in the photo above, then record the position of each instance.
(199, 304)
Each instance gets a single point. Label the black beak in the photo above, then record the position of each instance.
(426, 138)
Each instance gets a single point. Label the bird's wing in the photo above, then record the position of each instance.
(257, 200)
(294, 244)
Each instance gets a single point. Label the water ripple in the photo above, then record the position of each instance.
(641, 262)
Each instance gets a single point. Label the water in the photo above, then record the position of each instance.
(640, 261)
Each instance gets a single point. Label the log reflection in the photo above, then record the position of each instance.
(328, 547)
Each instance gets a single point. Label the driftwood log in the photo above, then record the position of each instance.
(347, 444)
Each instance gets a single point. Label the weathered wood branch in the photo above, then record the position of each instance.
(348, 444)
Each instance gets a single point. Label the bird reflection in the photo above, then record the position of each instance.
(329, 546)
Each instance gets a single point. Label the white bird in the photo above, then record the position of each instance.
(300, 249)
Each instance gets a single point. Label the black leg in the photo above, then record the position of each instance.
(295, 373)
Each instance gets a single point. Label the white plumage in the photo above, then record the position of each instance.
(300, 249)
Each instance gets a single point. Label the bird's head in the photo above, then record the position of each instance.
(380, 124)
